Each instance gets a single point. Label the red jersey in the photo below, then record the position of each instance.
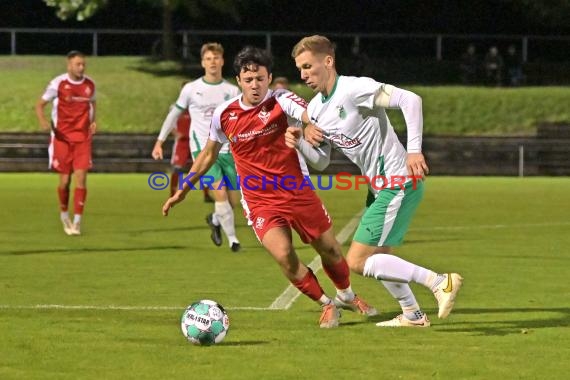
(183, 127)
(270, 173)
(72, 110)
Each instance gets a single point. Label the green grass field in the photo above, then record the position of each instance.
(134, 95)
(122, 286)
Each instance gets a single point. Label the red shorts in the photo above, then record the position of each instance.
(310, 220)
(64, 157)
(181, 157)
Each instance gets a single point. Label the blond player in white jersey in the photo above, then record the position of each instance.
(348, 114)
(200, 97)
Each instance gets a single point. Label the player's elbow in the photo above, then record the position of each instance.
(321, 164)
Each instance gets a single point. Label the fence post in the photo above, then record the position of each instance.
(521, 161)
(13, 42)
(438, 47)
(185, 45)
(268, 42)
(525, 49)
(95, 47)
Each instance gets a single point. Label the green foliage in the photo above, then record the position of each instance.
(80, 9)
(507, 236)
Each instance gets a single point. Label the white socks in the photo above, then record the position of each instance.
(392, 268)
(345, 295)
(224, 214)
(395, 274)
(64, 215)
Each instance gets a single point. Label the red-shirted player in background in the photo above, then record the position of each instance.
(181, 158)
(72, 127)
(254, 123)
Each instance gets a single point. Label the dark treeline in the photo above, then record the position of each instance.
(426, 16)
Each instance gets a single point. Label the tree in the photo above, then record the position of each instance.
(80, 9)
(83, 9)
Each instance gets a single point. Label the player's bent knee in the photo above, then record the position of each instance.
(355, 263)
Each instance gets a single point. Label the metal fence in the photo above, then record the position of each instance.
(147, 42)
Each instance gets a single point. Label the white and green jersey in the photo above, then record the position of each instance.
(362, 131)
(200, 98)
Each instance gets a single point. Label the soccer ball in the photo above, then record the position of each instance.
(205, 322)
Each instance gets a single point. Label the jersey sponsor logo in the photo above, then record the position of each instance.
(77, 99)
(345, 142)
(262, 132)
(264, 115)
(209, 111)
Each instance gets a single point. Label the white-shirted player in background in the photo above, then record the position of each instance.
(349, 115)
(200, 97)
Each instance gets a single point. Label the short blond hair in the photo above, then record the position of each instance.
(315, 44)
(214, 47)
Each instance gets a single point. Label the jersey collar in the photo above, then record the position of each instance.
(212, 83)
(325, 99)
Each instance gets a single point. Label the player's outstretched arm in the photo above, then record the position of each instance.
(201, 165)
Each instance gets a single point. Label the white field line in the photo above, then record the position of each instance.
(112, 307)
(489, 226)
(291, 293)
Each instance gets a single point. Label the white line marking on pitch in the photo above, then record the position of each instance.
(489, 226)
(291, 293)
(113, 307)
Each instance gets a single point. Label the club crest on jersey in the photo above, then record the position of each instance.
(227, 96)
(264, 115)
(87, 91)
(345, 142)
(341, 112)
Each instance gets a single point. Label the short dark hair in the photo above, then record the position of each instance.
(75, 53)
(250, 58)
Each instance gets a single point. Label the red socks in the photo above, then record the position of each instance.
(339, 274)
(309, 286)
(79, 200)
(63, 195)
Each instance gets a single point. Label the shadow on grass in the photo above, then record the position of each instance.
(497, 327)
(92, 250)
(175, 229)
(243, 343)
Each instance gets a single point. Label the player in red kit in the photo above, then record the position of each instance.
(72, 127)
(254, 124)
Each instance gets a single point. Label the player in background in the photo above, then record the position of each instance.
(200, 97)
(181, 159)
(280, 83)
(349, 114)
(72, 127)
(254, 124)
